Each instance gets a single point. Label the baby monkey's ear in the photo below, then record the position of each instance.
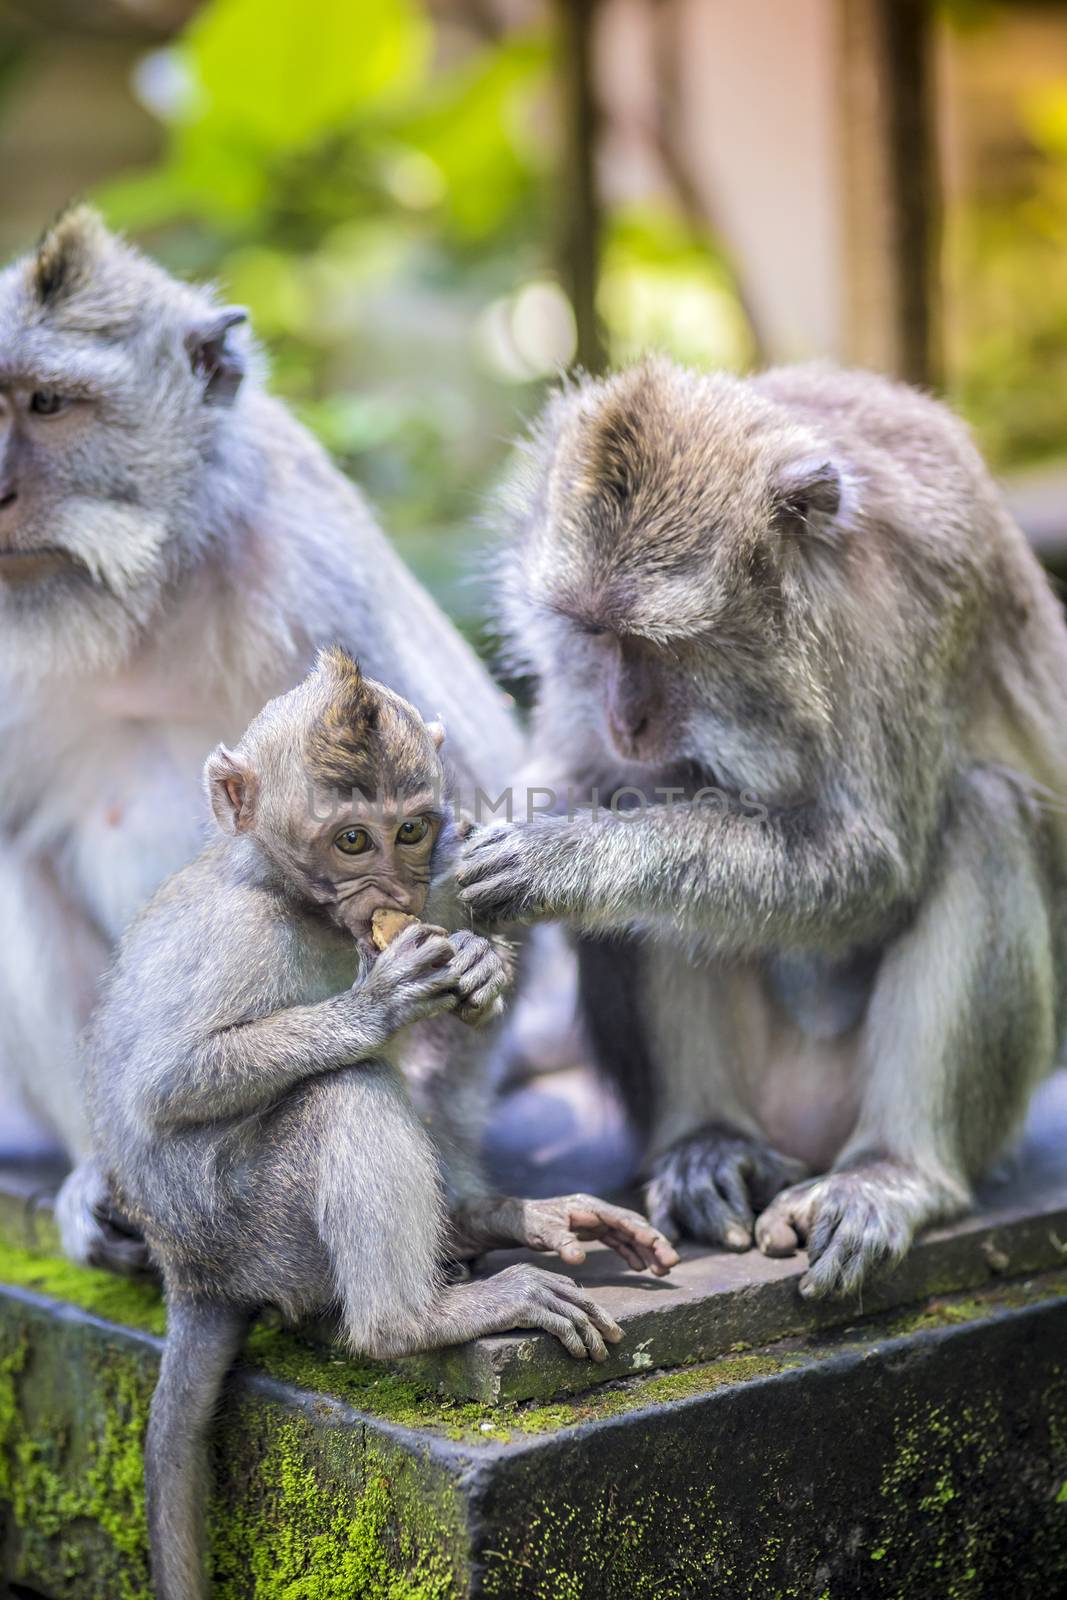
(436, 730)
(231, 785)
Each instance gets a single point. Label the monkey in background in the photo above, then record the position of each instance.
(792, 618)
(244, 1084)
(174, 547)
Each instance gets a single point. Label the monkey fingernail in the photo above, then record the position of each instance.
(777, 1239)
(738, 1238)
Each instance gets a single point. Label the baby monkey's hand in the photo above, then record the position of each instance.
(480, 974)
(413, 978)
(561, 1225)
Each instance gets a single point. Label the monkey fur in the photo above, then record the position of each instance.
(174, 548)
(823, 930)
(243, 1075)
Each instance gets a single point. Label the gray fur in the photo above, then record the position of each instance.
(248, 1106)
(205, 548)
(803, 591)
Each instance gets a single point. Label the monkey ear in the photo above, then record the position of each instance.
(213, 355)
(436, 730)
(231, 786)
(808, 491)
(67, 254)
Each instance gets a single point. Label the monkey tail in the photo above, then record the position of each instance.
(203, 1337)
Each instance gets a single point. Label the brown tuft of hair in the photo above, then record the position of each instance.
(337, 745)
(64, 258)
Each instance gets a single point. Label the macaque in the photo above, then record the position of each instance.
(788, 637)
(174, 548)
(244, 1078)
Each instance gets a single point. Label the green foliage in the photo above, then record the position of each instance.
(1007, 302)
(368, 203)
(384, 200)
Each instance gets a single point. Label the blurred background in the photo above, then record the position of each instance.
(432, 206)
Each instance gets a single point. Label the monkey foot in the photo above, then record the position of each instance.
(711, 1184)
(855, 1223)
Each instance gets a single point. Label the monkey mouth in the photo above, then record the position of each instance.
(31, 566)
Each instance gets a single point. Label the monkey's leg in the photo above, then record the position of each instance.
(382, 1220)
(49, 969)
(960, 1028)
(203, 1338)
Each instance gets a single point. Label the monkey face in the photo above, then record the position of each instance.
(340, 786)
(661, 585)
(105, 369)
(381, 857)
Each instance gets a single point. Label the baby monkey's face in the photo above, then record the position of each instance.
(375, 854)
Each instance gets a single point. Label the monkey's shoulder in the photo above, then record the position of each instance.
(216, 930)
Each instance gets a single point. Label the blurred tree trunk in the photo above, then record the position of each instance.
(890, 186)
(580, 212)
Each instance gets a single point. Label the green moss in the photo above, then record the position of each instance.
(330, 1519)
(303, 1509)
(132, 1305)
(71, 1471)
(660, 1389)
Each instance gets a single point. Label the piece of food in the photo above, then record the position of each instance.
(387, 925)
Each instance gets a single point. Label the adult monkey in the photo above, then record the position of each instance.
(801, 594)
(173, 549)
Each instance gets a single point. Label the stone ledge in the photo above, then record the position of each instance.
(924, 1456)
(714, 1298)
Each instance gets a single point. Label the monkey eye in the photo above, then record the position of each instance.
(413, 831)
(353, 841)
(48, 403)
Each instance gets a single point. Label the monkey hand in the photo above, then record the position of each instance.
(480, 975)
(524, 1296)
(412, 979)
(513, 872)
(561, 1225)
(856, 1223)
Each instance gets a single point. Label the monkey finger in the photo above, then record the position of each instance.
(563, 1329)
(603, 1219)
(730, 1181)
(578, 1335)
(478, 1015)
(481, 973)
(470, 952)
(623, 1247)
(496, 897)
(551, 1235)
(482, 995)
(566, 1289)
(777, 1234)
(705, 1214)
(414, 935)
(660, 1210)
(433, 956)
(657, 1257)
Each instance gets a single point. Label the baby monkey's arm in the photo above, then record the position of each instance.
(246, 1066)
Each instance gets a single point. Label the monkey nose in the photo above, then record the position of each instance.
(628, 727)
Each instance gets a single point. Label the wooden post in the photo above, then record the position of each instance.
(890, 186)
(579, 201)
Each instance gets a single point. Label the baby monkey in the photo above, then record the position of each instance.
(244, 1082)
